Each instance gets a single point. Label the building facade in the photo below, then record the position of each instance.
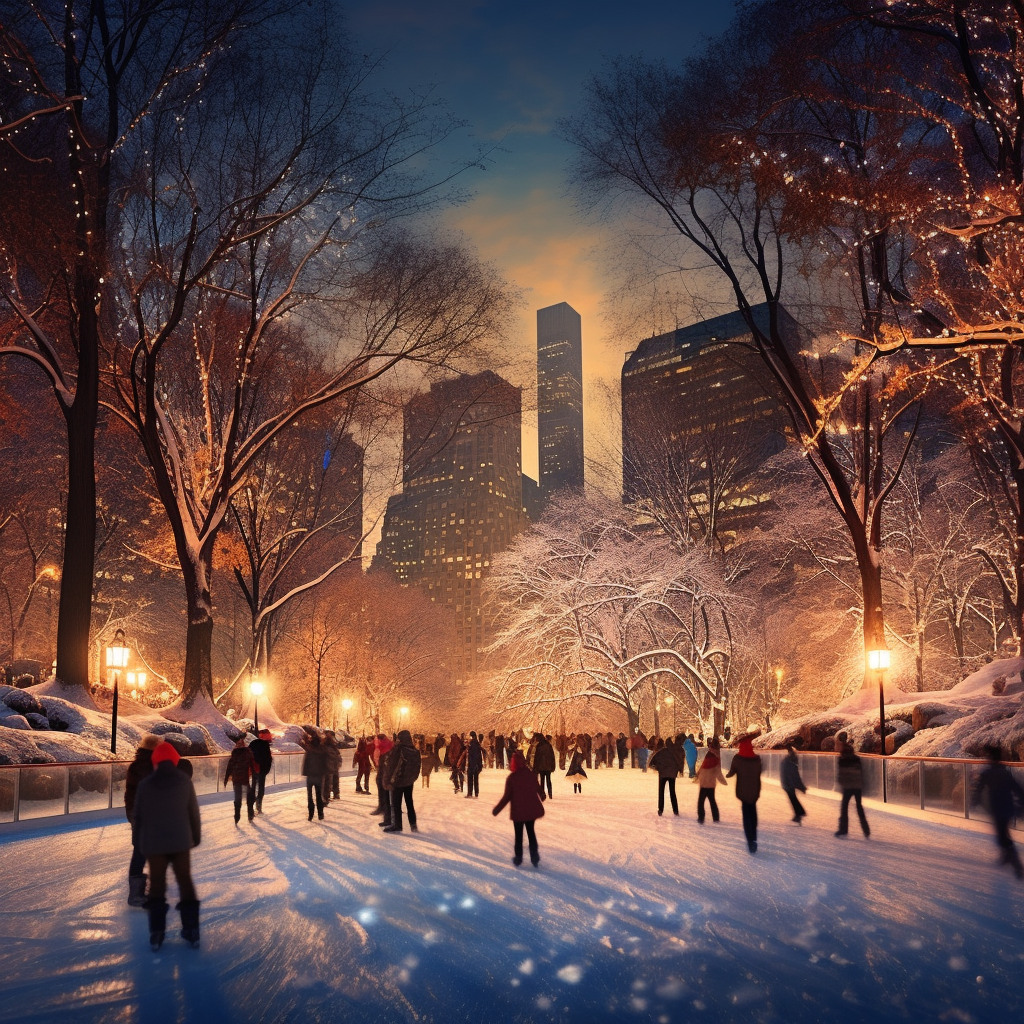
(560, 397)
(461, 502)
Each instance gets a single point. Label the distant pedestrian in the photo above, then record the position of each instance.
(332, 773)
(643, 756)
(1005, 797)
(167, 828)
(404, 770)
(690, 753)
(621, 750)
(544, 762)
(789, 779)
(474, 765)
(314, 768)
(576, 771)
(709, 776)
(526, 796)
(137, 771)
(362, 761)
(264, 758)
(428, 765)
(850, 779)
(746, 767)
(666, 764)
(238, 771)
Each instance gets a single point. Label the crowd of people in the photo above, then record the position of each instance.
(161, 805)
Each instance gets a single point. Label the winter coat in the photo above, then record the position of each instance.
(137, 771)
(690, 750)
(475, 757)
(621, 747)
(332, 756)
(314, 763)
(405, 767)
(523, 792)
(576, 765)
(789, 776)
(385, 765)
(748, 777)
(849, 772)
(362, 761)
(710, 773)
(166, 812)
(643, 756)
(455, 748)
(429, 762)
(665, 763)
(544, 756)
(260, 750)
(240, 766)
(1003, 791)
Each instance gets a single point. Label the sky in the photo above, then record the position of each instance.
(512, 70)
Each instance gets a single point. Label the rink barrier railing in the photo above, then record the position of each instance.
(30, 791)
(940, 785)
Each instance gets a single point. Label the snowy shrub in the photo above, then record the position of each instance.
(22, 701)
(38, 721)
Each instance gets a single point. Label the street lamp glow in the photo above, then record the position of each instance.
(346, 704)
(878, 661)
(256, 687)
(403, 711)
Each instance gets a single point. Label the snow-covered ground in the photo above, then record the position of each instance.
(630, 917)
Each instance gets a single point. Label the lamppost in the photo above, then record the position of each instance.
(347, 705)
(671, 702)
(256, 689)
(878, 661)
(117, 659)
(402, 712)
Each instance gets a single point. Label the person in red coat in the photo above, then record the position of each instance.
(526, 796)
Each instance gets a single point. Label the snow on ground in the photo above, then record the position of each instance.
(630, 917)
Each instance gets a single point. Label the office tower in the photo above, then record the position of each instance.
(461, 501)
(559, 397)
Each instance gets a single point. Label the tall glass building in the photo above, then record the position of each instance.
(560, 397)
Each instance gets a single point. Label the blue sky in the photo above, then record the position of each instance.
(512, 69)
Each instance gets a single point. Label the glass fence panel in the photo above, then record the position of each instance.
(204, 774)
(903, 783)
(88, 787)
(944, 788)
(872, 769)
(8, 783)
(42, 790)
(826, 772)
(118, 777)
(980, 810)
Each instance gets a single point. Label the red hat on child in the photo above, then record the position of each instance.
(165, 752)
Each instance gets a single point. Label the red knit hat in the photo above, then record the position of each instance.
(165, 752)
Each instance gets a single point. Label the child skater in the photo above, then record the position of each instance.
(576, 771)
(526, 796)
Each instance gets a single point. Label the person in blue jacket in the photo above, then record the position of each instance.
(690, 749)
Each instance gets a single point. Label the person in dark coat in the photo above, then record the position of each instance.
(621, 750)
(137, 771)
(474, 765)
(576, 771)
(746, 767)
(499, 751)
(382, 746)
(850, 779)
(526, 797)
(362, 761)
(403, 773)
(261, 753)
(790, 781)
(167, 828)
(709, 776)
(314, 768)
(238, 771)
(1004, 797)
(332, 758)
(666, 764)
(428, 765)
(544, 761)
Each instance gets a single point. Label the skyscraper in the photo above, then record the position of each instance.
(560, 397)
(461, 500)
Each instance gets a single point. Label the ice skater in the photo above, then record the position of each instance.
(666, 764)
(789, 779)
(850, 777)
(576, 771)
(239, 771)
(526, 795)
(1003, 792)
(709, 776)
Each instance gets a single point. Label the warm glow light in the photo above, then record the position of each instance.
(878, 660)
(404, 711)
(256, 687)
(117, 653)
(346, 703)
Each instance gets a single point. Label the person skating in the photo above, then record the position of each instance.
(361, 761)
(260, 750)
(576, 771)
(690, 753)
(385, 754)
(709, 776)
(238, 771)
(790, 781)
(850, 779)
(314, 768)
(140, 767)
(403, 773)
(167, 829)
(643, 756)
(621, 750)
(525, 794)
(428, 766)
(474, 765)
(544, 762)
(746, 767)
(666, 764)
(332, 767)
(1004, 797)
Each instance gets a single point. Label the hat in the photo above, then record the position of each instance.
(518, 762)
(264, 734)
(149, 742)
(165, 752)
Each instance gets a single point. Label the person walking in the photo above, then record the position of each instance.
(238, 771)
(850, 778)
(264, 758)
(643, 755)
(332, 767)
(746, 767)
(314, 768)
(526, 797)
(666, 764)
(404, 770)
(362, 761)
(167, 829)
(621, 750)
(455, 750)
(428, 765)
(790, 781)
(140, 767)
(576, 771)
(690, 753)
(474, 766)
(709, 776)
(1004, 796)
(544, 762)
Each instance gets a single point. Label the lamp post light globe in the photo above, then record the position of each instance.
(256, 689)
(118, 654)
(402, 713)
(347, 705)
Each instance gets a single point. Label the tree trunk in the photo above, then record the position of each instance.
(198, 680)
(871, 590)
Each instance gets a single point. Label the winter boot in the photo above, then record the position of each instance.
(136, 890)
(189, 910)
(394, 828)
(157, 922)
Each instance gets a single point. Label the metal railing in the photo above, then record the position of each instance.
(31, 791)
